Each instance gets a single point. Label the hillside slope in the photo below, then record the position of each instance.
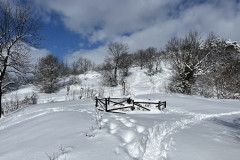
(189, 128)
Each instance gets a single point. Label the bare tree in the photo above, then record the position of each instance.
(82, 65)
(140, 58)
(106, 70)
(18, 31)
(116, 50)
(158, 59)
(63, 69)
(124, 64)
(150, 59)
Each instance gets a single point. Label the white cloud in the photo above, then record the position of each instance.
(38, 53)
(147, 22)
(107, 19)
(96, 55)
(204, 18)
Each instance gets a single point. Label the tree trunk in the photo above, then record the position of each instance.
(115, 75)
(1, 111)
(1, 79)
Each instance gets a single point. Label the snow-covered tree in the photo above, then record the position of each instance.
(18, 30)
(124, 64)
(204, 67)
(63, 69)
(222, 68)
(149, 58)
(107, 72)
(140, 58)
(10, 83)
(47, 72)
(82, 65)
(115, 51)
(185, 56)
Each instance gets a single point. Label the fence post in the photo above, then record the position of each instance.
(133, 103)
(106, 103)
(96, 102)
(159, 105)
(108, 100)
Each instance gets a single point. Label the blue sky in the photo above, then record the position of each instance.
(61, 41)
(74, 28)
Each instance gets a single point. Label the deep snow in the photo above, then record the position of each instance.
(190, 128)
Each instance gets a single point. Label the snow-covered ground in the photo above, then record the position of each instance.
(59, 127)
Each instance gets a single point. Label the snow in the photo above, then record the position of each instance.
(64, 128)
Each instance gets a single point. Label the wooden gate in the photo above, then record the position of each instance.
(125, 104)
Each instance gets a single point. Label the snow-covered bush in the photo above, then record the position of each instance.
(84, 92)
(16, 103)
(30, 99)
(98, 118)
(100, 92)
(75, 80)
(97, 125)
(60, 154)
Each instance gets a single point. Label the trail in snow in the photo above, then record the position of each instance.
(155, 142)
(159, 140)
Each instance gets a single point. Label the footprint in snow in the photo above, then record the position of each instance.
(128, 124)
(132, 120)
(127, 135)
(120, 119)
(113, 125)
(105, 120)
(117, 150)
(140, 129)
(113, 128)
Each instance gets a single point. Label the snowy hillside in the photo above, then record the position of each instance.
(62, 127)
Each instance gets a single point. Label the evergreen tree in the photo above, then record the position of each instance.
(47, 72)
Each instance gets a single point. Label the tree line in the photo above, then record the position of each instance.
(207, 67)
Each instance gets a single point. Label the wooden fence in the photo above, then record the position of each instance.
(109, 104)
